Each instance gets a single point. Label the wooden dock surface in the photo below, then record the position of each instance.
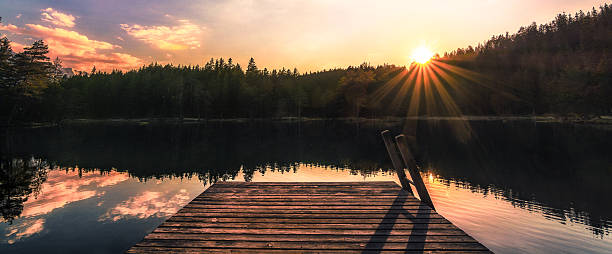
(300, 217)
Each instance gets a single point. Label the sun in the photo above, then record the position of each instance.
(422, 55)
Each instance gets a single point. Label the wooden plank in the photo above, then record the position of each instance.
(305, 215)
(303, 245)
(313, 207)
(309, 231)
(306, 218)
(322, 187)
(400, 220)
(303, 196)
(313, 213)
(331, 202)
(170, 250)
(299, 185)
(309, 226)
(260, 185)
(311, 238)
(302, 191)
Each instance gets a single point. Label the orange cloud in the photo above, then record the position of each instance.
(104, 62)
(17, 47)
(57, 18)
(180, 37)
(148, 204)
(77, 50)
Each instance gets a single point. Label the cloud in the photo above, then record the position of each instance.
(17, 47)
(185, 35)
(18, 16)
(148, 204)
(57, 18)
(24, 229)
(62, 188)
(103, 62)
(77, 50)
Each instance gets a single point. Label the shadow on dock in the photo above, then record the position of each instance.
(418, 235)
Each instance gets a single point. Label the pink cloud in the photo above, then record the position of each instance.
(60, 189)
(17, 47)
(77, 50)
(148, 204)
(183, 36)
(63, 188)
(57, 18)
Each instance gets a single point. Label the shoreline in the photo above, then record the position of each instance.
(600, 120)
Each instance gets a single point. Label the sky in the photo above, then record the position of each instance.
(309, 35)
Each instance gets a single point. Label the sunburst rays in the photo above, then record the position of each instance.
(429, 91)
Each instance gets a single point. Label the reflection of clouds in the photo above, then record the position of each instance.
(148, 204)
(61, 188)
(24, 229)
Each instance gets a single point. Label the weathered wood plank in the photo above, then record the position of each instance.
(413, 213)
(311, 245)
(355, 202)
(310, 207)
(306, 215)
(303, 196)
(309, 226)
(260, 184)
(400, 220)
(312, 238)
(309, 231)
(307, 187)
(307, 191)
(138, 249)
(322, 187)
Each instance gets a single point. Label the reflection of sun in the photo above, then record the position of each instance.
(422, 54)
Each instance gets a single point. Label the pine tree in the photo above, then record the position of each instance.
(6, 66)
(252, 67)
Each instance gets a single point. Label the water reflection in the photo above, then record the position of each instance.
(545, 186)
(148, 204)
(72, 201)
(493, 218)
(19, 179)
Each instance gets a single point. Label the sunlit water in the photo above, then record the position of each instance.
(100, 189)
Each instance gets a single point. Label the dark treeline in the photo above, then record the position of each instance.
(561, 67)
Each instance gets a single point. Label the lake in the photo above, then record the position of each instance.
(515, 186)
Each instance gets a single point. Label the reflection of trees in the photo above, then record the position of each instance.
(562, 167)
(19, 178)
(557, 170)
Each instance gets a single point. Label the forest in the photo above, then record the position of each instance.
(560, 68)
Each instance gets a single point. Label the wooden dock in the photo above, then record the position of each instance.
(323, 217)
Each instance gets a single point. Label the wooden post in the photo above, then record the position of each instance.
(411, 165)
(397, 163)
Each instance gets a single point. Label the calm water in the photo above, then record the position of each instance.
(99, 188)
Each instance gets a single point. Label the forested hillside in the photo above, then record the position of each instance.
(562, 67)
